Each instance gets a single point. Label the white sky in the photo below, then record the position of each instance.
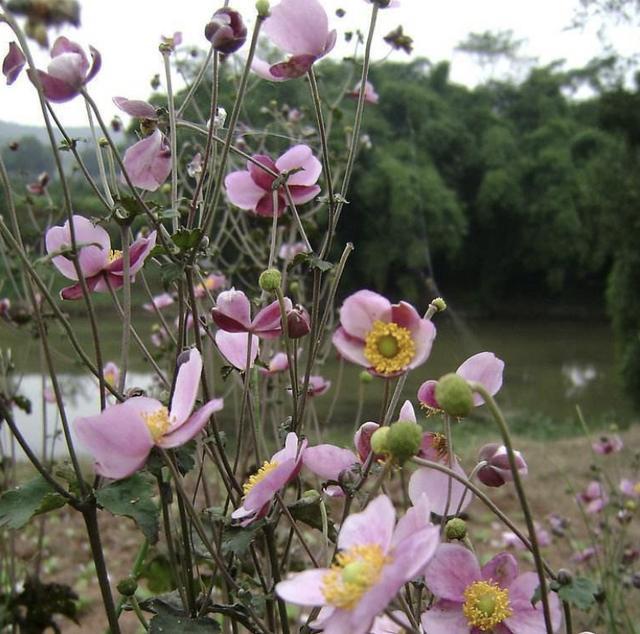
(127, 34)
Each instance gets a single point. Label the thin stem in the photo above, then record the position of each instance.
(126, 301)
(166, 56)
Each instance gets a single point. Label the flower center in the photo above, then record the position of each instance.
(439, 443)
(114, 254)
(486, 605)
(355, 571)
(157, 422)
(110, 378)
(264, 470)
(389, 348)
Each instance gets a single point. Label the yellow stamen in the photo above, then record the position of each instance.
(157, 422)
(114, 254)
(356, 570)
(486, 605)
(265, 469)
(439, 443)
(389, 348)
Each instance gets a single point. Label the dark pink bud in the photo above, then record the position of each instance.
(13, 63)
(226, 31)
(497, 470)
(298, 322)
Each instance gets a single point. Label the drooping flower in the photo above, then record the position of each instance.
(388, 339)
(299, 28)
(375, 560)
(606, 445)
(68, 71)
(13, 63)
(100, 266)
(370, 94)
(278, 363)
(261, 488)
(39, 186)
(494, 598)
(251, 189)
(158, 302)
(484, 368)
(226, 31)
(122, 436)
(593, 496)
(148, 162)
(298, 322)
(497, 470)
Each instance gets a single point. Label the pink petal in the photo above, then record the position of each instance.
(436, 485)
(423, 338)
(360, 310)
(374, 525)
(265, 206)
(445, 617)
(279, 363)
(75, 291)
(527, 619)
(186, 389)
(192, 426)
(362, 439)
(242, 190)
(54, 89)
(407, 412)
(405, 315)
(232, 311)
(484, 368)
(138, 253)
(233, 347)
(290, 449)
(350, 348)
(13, 63)
(118, 440)
(427, 394)
(304, 588)
(300, 156)
(259, 176)
(136, 108)
(267, 323)
(502, 569)
(415, 519)
(70, 68)
(96, 64)
(148, 162)
(65, 45)
(264, 491)
(303, 194)
(298, 27)
(328, 461)
(263, 70)
(450, 571)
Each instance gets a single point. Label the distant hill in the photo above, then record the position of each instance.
(13, 131)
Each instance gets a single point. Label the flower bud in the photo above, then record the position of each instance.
(128, 586)
(454, 395)
(439, 304)
(404, 440)
(366, 377)
(455, 528)
(564, 577)
(298, 322)
(263, 8)
(380, 441)
(270, 280)
(497, 470)
(226, 31)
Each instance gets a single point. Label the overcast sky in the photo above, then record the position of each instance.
(127, 34)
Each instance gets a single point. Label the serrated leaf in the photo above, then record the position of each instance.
(170, 273)
(159, 249)
(131, 205)
(322, 265)
(580, 593)
(19, 505)
(236, 539)
(133, 498)
(186, 239)
(307, 510)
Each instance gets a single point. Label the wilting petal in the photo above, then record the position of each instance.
(328, 461)
(233, 347)
(304, 588)
(374, 525)
(232, 311)
(451, 570)
(484, 368)
(360, 310)
(298, 27)
(192, 426)
(300, 156)
(136, 108)
(148, 162)
(242, 190)
(186, 389)
(350, 348)
(436, 485)
(13, 63)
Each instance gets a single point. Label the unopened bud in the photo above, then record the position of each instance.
(127, 587)
(270, 280)
(454, 395)
(298, 322)
(263, 8)
(366, 377)
(439, 304)
(564, 577)
(226, 31)
(380, 441)
(455, 528)
(497, 470)
(404, 440)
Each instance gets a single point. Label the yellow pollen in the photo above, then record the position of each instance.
(110, 378)
(636, 488)
(265, 469)
(157, 422)
(439, 443)
(114, 254)
(356, 570)
(486, 605)
(389, 348)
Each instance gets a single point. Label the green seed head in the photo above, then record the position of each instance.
(405, 438)
(456, 528)
(380, 441)
(454, 395)
(270, 280)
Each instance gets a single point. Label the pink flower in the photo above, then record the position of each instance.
(148, 162)
(585, 555)
(279, 363)
(492, 598)
(298, 322)
(136, 108)
(68, 71)
(159, 302)
(262, 487)
(122, 436)
(606, 445)
(497, 470)
(100, 265)
(39, 186)
(226, 31)
(213, 282)
(484, 368)
(594, 497)
(318, 385)
(13, 63)
(251, 189)
(301, 29)
(387, 339)
(234, 347)
(111, 373)
(511, 540)
(375, 560)
(630, 488)
(370, 94)
(289, 251)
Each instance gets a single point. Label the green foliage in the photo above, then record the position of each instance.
(579, 592)
(166, 621)
(19, 505)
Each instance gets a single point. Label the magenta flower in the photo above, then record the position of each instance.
(493, 598)
(483, 367)
(13, 63)
(261, 488)
(375, 560)
(370, 94)
(68, 71)
(301, 29)
(159, 302)
(606, 445)
(387, 339)
(251, 189)
(101, 266)
(148, 162)
(497, 470)
(226, 31)
(122, 436)
(593, 496)
(278, 363)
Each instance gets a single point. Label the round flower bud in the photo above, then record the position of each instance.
(439, 304)
(404, 440)
(270, 280)
(380, 441)
(366, 377)
(128, 586)
(263, 8)
(311, 495)
(454, 395)
(564, 577)
(226, 31)
(455, 528)
(298, 322)
(496, 469)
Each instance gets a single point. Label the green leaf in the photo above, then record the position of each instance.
(186, 239)
(170, 273)
(23, 403)
(19, 505)
(133, 498)
(580, 593)
(168, 623)
(159, 249)
(307, 510)
(237, 540)
(132, 205)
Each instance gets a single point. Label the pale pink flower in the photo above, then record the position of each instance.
(387, 339)
(159, 302)
(370, 94)
(606, 445)
(111, 373)
(630, 488)
(261, 488)
(251, 189)
(278, 363)
(136, 108)
(318, 385)
(299, 28)
(377, 557)
(511, 540)
(484, 368)
(148, 162)
(385, 625)
(68, 71)
(13, 63)
(593, 497)
(100, 266)
(212, 283)
(494, 598)
(289, 251)
(121, 437)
